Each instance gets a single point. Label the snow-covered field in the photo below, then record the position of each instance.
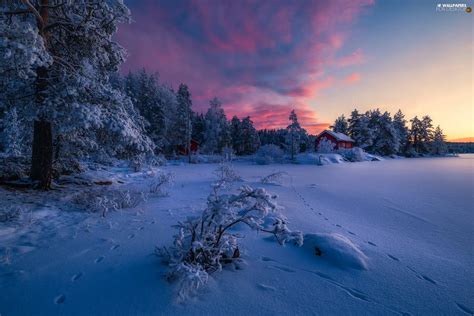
(397, 238)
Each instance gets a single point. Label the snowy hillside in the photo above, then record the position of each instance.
(381, 238)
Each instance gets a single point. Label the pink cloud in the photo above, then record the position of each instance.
(261, 58)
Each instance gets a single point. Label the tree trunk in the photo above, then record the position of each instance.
(42, 154)
(42, 151)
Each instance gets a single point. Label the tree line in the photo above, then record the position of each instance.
(380, 133)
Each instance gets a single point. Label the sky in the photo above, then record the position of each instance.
(264, 58)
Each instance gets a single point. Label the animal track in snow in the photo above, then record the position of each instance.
(266, 287)
(141, 228)
(283, 269)
(393, 257)
(76, 276)
(59, 299)
(372, 244)
(131, 236)
(99, 259)
(114, 247)
(267, 259)
(465, 309)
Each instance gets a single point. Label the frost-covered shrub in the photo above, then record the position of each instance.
(205, 243)
(268, 154)
(354, 154)
(228, 154)
(226, 174)
(326, 146)
(274, 178)
(67, 166)
(104, 201)
(10, 213)
(138, 162)
(161, 183)
(13, 168)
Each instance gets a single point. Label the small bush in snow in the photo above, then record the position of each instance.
(103, 201)
(274, 178)
(226, 174)
(228, 154)
(13, 168)
(355, 154)
(268, 154)
(10, 214)
(161, 182)
(326, 146)
(205, 243)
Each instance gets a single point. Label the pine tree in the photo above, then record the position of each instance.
(340, 125)
(385, 139)
(199, 125)
(293, 137)
(399, 123)
(250, 140)
(438, 146)
(216, 133)
(74, 56)
(236, 135)
(13, 135)
(183, 124)
(359, 129)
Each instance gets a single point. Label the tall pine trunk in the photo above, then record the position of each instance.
(42, 151)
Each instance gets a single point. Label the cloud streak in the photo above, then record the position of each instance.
(262, 58)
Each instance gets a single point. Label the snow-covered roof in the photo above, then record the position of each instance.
(338, 136)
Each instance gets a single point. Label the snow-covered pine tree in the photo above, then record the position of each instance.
(183, 125)
(385, 137)
(72, 91)
(198, 122)
(217, 133)
(293, 137)
(359, 129)
(421, 134)
(250, 140)
(143, 91)
(438, 146)
(399, 123)
(340, 125)
(12, 134)
(236, 135)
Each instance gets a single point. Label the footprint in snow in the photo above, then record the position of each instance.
(351, 233)
(393, 258)
(465, 309)
(152, 222)
(372, 244)
(131, 236)
(424, 277)
(99, 259)
(76, 276)
(337, 225)
(283, 269)
(141, 228)
(114, 247)
(266, 259)
(266, 287)
(59, 299)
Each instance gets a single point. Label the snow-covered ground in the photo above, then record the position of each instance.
(396, 236)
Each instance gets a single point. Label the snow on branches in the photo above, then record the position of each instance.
(205, 243)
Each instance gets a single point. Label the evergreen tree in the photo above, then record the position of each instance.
(236, 135)
(399, 123)
(12, 133)
(294, 133)
(250, 140)
(385, 139)
(216, 133)
(359, 129)
(340, 125)
(199, 125)
(183, 125)
(438, 146)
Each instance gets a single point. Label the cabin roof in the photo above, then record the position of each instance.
(338, 136)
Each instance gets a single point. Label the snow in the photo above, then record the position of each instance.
(395, 238)
(338, 136)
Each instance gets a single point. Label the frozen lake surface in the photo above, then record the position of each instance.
(411, 219)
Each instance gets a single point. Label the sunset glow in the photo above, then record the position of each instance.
(322, 58)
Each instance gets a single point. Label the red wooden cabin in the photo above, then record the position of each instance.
(184, 151)
(340, 140)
